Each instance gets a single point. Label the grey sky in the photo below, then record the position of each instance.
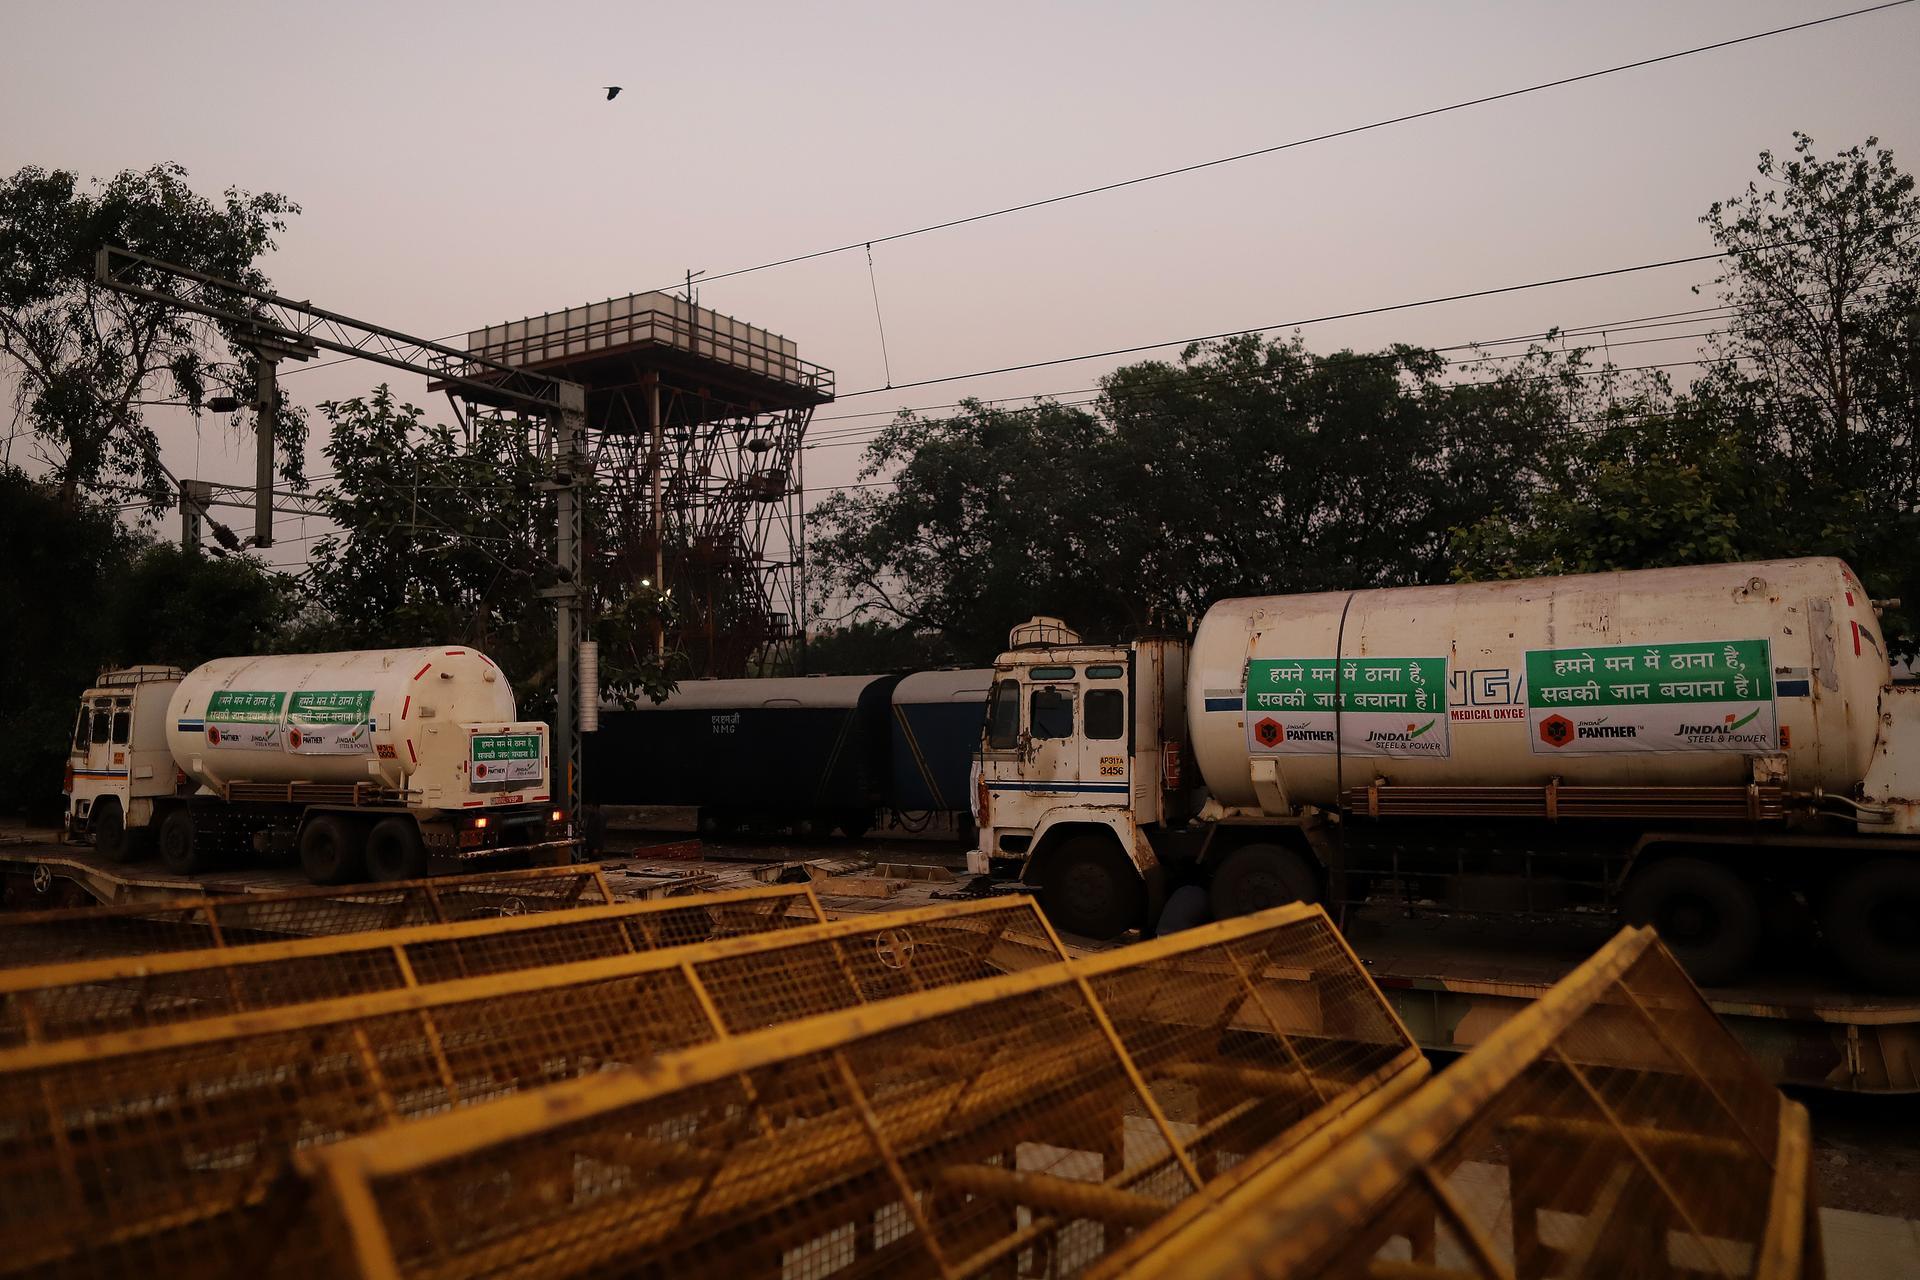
(458, 163)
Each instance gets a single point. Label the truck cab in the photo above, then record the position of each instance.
(1079, 765)
(118, 761)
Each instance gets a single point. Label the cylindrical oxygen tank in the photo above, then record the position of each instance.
(1660, 677)
(359, 716)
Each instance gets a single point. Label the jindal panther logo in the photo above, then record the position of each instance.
(1556, 731)
(1269, 732)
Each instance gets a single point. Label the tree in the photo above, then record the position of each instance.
(1644, 478)
(1245, 467)
(446, 536)
(91, 594)
(87, 362)
(1824, 279)
(1821, 363)
(984, 526)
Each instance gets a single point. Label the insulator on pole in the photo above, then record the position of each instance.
(589, 685)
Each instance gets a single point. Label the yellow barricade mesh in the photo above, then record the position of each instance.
(191, 924)
(1024, 1125)
(1614, 1128)
(98, 996)
(162, 1151)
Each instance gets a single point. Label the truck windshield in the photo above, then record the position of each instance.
(1003, 718)
(80, 728)
(102, 717)
(122, 720)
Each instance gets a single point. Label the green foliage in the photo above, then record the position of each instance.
(85, 361)
(445, 539)
(1245, 467)
(985, 527)
(1823, 365)
(1825, 276)
(1639, 487)
(89, 594)
(1800, 437)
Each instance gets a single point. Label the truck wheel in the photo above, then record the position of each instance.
(1255, 877)
(1705, 914)
(394, 851)
(179, 852)
(1872, 922)
(1088, 887)
(332, 850)
(110, 837)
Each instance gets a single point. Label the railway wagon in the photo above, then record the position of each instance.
(805, 754)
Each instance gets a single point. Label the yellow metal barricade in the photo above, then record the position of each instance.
(1022, 1125)
(162, 1150)
(191, 924)
(94, 997)
(1613, 1128)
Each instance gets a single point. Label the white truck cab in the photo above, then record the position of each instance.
(119, 762)
(1081, 753)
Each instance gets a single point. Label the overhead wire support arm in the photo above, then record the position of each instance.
(302, 325)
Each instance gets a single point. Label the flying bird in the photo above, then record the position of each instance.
(613, 91)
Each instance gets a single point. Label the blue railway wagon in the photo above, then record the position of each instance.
(936, 729)
(808, 753)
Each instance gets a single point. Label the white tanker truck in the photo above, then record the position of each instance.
(1718, 750)
(376, 763)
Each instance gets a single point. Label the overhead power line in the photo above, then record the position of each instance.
(1355, 314)
(837, 437)
(867, 242)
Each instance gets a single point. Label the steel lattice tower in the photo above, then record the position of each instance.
(694, 422)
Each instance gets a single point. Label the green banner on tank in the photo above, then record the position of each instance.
(1364, 706)
(1707, 695)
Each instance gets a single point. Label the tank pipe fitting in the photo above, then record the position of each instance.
(1868, 812)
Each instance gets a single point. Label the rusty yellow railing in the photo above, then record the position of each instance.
(1612, 1128)
(162, 1150)
(191, 924)
(94, 997)
(1023, 1124)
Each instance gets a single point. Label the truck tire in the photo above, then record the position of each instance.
(332, 850)
(1872, 921)
(109, 826)
(1706, 915)
(1255, 877)
(1089, 887)
(394, 850)
(180, 853)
